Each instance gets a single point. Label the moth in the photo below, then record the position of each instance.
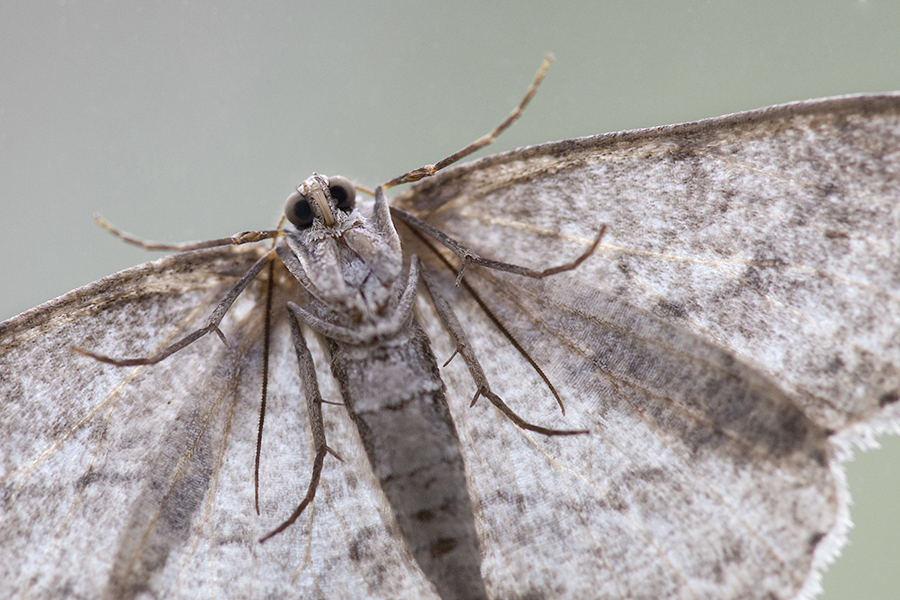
(729, 340)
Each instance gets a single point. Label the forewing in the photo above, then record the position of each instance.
(762, 244)
(767, 236)
(126, 482)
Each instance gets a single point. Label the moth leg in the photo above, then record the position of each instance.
(429, 170)
(382, 219)
(212, 324)
(314, 407)
(346, 335)
(293, 265)
(469, 257)
(453, 327)
(244, 237)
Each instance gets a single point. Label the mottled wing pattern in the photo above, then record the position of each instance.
(133, 482)
(756, 248)
(772, 237)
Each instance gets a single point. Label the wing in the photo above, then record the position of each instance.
(133, 482)
(761, 246)
(138, 482)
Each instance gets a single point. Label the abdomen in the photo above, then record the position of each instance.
(396, 397)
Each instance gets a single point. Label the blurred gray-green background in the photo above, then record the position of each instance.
(193, 120)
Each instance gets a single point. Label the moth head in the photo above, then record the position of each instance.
(348, 261)
(321, 199)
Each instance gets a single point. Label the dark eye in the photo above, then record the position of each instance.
(342, 192)
(298, 211)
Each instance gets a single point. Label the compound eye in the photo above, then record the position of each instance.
(298, 211)
(342, 192)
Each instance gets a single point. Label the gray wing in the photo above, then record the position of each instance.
(133, 482)
(761, 246)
